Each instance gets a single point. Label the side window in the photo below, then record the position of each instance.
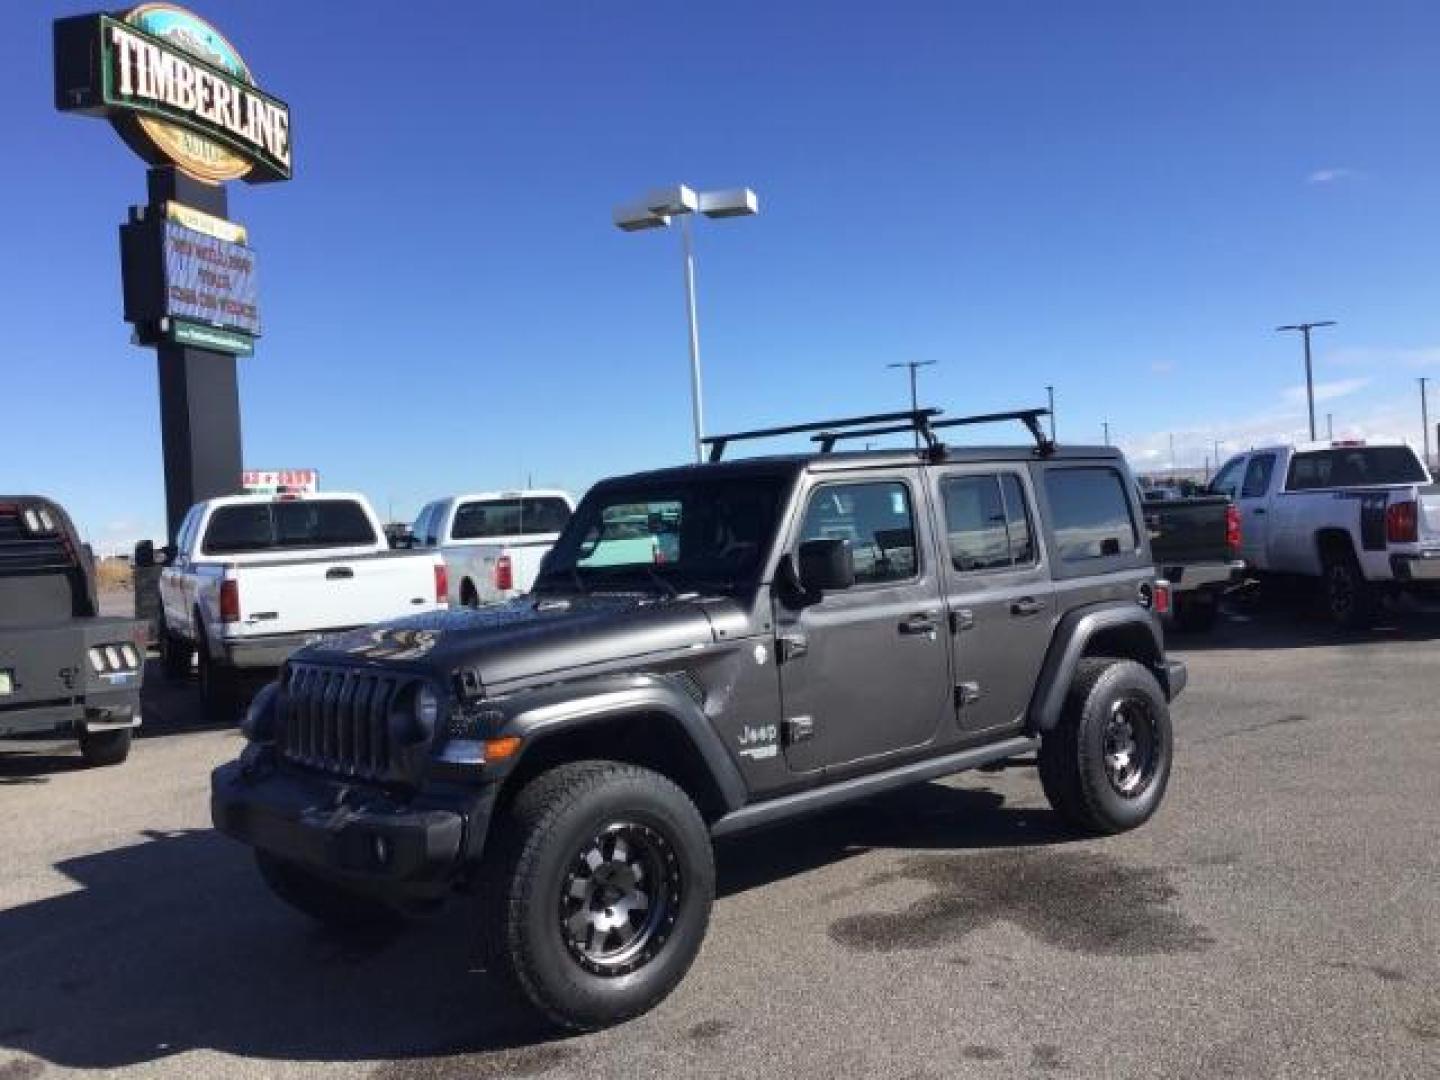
(1257, 476)
(1091, 513)
(987, 523)
(1227, 480)
(878, 520)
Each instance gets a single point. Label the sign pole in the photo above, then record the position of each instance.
(199, 388)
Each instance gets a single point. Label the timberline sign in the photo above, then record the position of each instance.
(176, 91)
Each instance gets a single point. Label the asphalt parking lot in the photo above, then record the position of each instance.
(1280, 917)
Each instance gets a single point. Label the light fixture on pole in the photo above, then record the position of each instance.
(656, 211)
(1304, 329)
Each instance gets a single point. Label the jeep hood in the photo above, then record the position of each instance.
(525, 638)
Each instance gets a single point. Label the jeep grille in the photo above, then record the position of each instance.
(338, 720)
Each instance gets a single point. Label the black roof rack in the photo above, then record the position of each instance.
(926, 429)
(916, 420)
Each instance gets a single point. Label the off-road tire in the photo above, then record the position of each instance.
(325, 901)
(549, 826)
(1196, 614)
(1073, 757)
(175, 655)
(1349, 601)
(101, 748)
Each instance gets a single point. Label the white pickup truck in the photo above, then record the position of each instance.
(492, 542)
(251, 578)
(1362, 519)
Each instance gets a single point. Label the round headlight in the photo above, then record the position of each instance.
(427, 708)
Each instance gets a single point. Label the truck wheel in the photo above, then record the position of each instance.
(324, 901)
(175, 655)
(1196, 614)
(219, 691)
(100, 748)
(1348, 597)
(1106, 764)
(599, 895)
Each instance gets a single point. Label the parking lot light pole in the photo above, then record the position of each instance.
(1425, 418)
(1050, 394)
(914, 395)
(656, 211)
(1304, 328)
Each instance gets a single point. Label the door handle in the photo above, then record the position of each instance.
(1027, 605)
(336, 573)
(918, 624)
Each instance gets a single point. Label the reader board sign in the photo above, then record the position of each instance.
(210, 280)
(272, 481)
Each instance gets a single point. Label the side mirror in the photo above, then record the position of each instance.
(826, 566)
(168, 553)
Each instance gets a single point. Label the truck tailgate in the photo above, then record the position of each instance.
(1189, 530)
(299, 596)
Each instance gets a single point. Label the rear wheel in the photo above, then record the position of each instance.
(324, 900)
(1348, 598)
(601, 893)
(100, 748)
(1106, 764)
(220, 691)
(175, 655)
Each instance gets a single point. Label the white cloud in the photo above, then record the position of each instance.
(1331, 175)
(1326, 391)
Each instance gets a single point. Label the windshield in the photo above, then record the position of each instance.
(689, 536)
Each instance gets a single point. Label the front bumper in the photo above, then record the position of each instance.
(1421, 566)
(342, 830)
(269, 651)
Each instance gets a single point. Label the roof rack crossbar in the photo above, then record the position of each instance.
(916, 420)
(1029, 417)
(828, 439)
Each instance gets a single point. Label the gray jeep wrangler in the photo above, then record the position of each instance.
(707, 650)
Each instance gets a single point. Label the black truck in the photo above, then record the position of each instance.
(64, 669)
(1196, 544)
(803, 631)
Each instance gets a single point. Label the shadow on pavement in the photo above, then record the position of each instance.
(174, 944)
(1289, 621)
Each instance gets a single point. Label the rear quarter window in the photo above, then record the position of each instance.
(1089, 514)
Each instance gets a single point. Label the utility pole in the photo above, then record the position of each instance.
(1050, 393)
(914, 396)
(1172, 453)
(1425, 418)
(1304, 329)
(1330, 425)
(1106, 425)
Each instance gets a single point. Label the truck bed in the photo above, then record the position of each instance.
(1189, 530)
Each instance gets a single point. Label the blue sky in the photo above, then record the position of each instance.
(1122, 199)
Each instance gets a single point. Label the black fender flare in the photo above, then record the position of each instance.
(560, 708)
(1073, 634)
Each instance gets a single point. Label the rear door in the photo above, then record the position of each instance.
(998, 591)
(866, 671)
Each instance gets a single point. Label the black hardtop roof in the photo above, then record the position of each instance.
(788, 466)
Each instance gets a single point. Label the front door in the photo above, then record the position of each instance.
(998, 590)
(1256, 527)
(865, 671)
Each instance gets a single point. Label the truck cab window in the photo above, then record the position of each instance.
(1257, 476)
(1227, 480)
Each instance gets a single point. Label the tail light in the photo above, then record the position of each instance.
(504, 574)
(1232, 528)
(1155, 595)
(230, 601)
(1402, 522)
(442, 583)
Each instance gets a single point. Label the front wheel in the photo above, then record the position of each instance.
(600, 896)
(1106, 764)
(100, 748)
